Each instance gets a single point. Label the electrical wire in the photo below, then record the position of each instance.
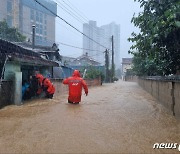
(85, 18)
(77, 47)
(65, 9)
(70, 24)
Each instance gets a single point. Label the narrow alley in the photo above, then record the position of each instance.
(114, 118)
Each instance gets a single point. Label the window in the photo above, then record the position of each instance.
(37, 16)
(45, 19)
(9, 6)
(37, 28)
(45, 16)
(40, 29)
(9, 20)
(45, 33)
(32, 15)
(40, 17)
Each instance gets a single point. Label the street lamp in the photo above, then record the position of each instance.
(33, 36)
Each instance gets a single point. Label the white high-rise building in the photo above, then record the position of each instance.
(102, 35)
(94, 32)
(110, 30)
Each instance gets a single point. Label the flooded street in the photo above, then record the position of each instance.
(114, 118)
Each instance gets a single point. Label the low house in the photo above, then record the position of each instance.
(62, 72)
(82, 62)
(17, 64)
(126, 65)
(66, 61)
(85, 60)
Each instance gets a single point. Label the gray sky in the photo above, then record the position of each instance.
(102, 11)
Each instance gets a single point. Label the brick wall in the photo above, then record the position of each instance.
(94, 82)
(167, 92)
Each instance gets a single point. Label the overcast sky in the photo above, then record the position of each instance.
(102, 11)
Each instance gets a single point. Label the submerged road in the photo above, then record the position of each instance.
(114, 118)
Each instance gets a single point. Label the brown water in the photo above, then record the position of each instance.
(114, 118)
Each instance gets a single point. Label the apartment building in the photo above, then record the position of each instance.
(110, 30)
(103, 36)
(23, 14)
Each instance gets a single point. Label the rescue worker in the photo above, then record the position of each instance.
(45, 85)
(48, 87)
(75, 84)
(40, 78)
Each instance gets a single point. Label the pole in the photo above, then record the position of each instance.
(112, 71)
(107, 65)
(33, 36)
(84, 74)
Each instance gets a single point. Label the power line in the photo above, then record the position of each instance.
(74, 10)
(86, 20)
(70, 24)
(77, 9)
(69, 11)
(77, 47)
(77, 18)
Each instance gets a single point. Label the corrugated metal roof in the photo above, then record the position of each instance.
(23, 55)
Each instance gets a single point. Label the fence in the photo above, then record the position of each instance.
(94, 82)
(164, 89)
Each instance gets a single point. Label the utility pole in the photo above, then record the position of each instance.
(107, 65)
(112, 69)
(33, 36)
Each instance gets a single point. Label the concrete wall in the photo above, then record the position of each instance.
(17, 88)
(13, 73)
(167, 92)
(6, 93)
(130, 78)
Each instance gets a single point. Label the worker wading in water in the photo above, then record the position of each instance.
(45, 85)
(75, 84)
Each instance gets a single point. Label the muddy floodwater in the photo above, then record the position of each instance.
(114, 118)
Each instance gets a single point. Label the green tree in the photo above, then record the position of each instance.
(93, 73)
(10, 34)
(156, 47)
